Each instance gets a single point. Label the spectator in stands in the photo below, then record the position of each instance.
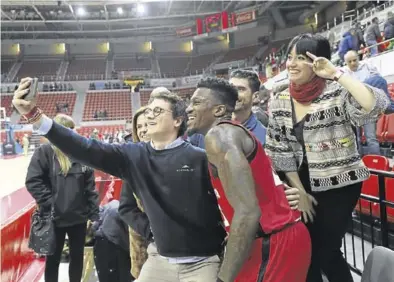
(311, 140)
(362, 71)
(94, 134)
(25, 142)
(347, 43)
(248, 85)
(331, 38)
(359, 35)
(111, 247)
(389, 26)
(260, 105)
(372, 36)
(68, 187)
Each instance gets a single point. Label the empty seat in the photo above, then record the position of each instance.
(389, 133)
(371, 185)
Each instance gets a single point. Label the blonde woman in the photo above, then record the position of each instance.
(140, 235)
(56, 181)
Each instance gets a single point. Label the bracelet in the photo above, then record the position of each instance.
(34, 115)
(338, 75)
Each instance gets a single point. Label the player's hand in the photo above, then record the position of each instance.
(23, 106)
(306, 204)
(292, 196)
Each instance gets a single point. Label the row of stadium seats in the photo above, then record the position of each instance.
(81, 68)
(102, 129)
(117, 103)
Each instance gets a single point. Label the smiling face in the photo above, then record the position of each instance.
(245, 95)
(201, 112)
(299, 72)
(160, 120)
(142, 128)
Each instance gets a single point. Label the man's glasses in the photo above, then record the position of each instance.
(156, 111)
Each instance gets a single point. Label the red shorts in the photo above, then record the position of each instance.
(281, 257)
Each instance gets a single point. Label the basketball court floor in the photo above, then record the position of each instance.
(13, 172)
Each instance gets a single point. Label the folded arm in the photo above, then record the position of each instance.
(224, 150)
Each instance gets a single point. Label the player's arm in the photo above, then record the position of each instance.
(224, 150)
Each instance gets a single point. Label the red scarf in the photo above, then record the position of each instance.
(309, 91)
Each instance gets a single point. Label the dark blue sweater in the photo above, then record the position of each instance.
(174, 184)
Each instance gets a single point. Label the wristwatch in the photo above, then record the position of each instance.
(338, 75)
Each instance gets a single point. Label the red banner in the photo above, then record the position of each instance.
(199, 26)
(186, 31)
(243, 17)
(212, 23)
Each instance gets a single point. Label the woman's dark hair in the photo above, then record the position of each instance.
(312, 43)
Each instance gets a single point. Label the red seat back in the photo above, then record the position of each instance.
(389, 135)
(371, 185)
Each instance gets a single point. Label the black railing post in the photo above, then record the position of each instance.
(383, 211)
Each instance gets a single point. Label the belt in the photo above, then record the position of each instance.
(262, 234)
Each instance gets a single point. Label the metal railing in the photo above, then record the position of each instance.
(370, 227)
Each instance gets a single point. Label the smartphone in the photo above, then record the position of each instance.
(32, 90)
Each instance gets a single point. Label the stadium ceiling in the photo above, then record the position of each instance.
(51, 19)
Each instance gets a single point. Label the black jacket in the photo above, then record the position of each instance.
(74, 196)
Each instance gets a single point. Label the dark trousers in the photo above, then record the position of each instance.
(76, 237)
(112, 262)
(333, 215)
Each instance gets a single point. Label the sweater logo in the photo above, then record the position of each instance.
(185, 168)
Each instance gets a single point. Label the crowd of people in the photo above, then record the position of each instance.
(364, 40)
(209, 192)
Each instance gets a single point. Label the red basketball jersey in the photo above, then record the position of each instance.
(275, 210)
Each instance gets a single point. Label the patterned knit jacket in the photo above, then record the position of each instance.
(330, 142)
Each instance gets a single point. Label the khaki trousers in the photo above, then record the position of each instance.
(158, 269)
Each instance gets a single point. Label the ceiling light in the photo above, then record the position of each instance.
(81, 11)
(140, 9)
(120, 10)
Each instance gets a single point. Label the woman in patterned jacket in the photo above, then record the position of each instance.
(312, 143)
(138, 244)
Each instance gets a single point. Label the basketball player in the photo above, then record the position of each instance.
(267, 241)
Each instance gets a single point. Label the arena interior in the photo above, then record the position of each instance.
(98, 62)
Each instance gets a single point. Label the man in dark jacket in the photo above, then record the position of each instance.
(347, 43)
(389, 26)
(372, 35)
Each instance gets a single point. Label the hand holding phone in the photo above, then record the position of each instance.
(24, 97)
(32, 90)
